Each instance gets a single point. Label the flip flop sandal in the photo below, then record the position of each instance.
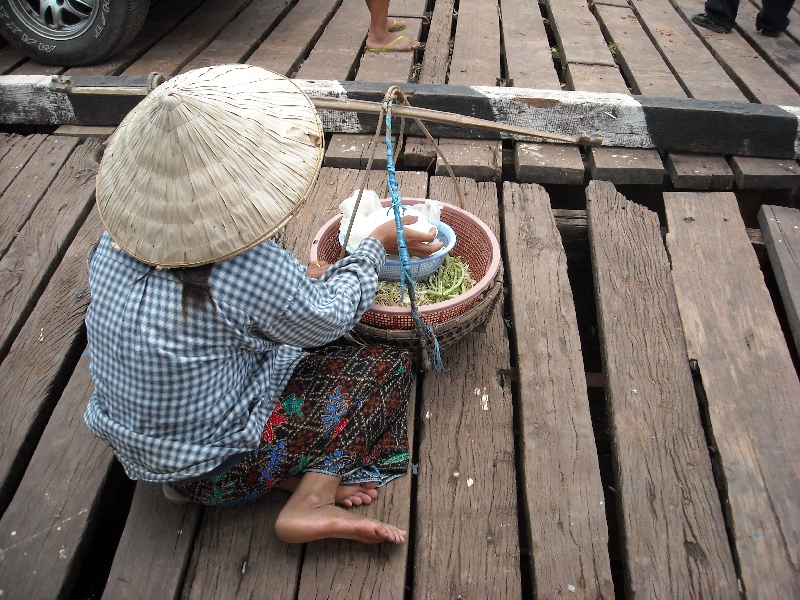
(388, 47)
(173, 496)
(395, 26)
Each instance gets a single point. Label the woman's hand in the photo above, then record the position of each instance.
(316, 269)
(417, 242)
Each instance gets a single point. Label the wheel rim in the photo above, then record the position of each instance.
(57, 19)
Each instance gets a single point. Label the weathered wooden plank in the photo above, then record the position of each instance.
(83, 133)
(188, 39)
(337, 51)
(569, 537)
(674, 539)
(782, 53)
(699, 171)
(10, 59)
(781, 229)
(418, 153)
(289, 42)
(353, 152)
(21, 197)
(481, 160)
(436, 61)
(696, 69)
(466, 538)
(394, 68)
(161, 19)
(577, 33)
(7, 141)
(242, 35)
(751, 386)
(574, 235)
(645, 69)
(741, 62)
(26, 267)
(43, 349)
(476, 49)
(154, 551)
(529, 62)
(237, 554)
(585, 56)
(595, 78)
(524, 37)
(764, 173)
(549, 163)
(32, 67)
(346, 569)
(626, 165)
(47, 527)
(16, 152)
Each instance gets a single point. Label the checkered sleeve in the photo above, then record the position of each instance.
(292, 308)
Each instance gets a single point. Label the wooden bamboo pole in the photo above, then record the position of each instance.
(365, 106)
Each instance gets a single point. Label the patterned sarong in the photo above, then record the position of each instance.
(343, 413)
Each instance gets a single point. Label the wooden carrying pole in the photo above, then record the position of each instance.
(364, 106)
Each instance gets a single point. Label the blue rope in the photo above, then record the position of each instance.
(425, 332)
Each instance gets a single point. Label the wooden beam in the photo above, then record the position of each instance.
(781, 229)
(561, 474)
(673, 531)
(675, 124)
(750, 384)
(153, 553)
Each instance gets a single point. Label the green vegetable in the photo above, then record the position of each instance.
(450, 280)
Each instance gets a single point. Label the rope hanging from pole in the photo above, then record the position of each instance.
(428, 342)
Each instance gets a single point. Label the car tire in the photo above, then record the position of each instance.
(71, 32)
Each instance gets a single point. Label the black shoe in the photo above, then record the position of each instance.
(704, 20)
(770, 32)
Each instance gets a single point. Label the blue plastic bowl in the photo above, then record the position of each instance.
(422, 267)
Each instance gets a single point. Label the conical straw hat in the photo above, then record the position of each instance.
(210, 164)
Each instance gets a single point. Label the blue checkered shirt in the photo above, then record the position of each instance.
(174, 398)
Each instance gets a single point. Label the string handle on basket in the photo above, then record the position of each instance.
(424, 333)
(391, 94)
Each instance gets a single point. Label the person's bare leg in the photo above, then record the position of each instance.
(310, 514)
(346, 495)
(379, 34)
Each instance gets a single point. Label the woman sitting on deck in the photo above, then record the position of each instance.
(198, 319)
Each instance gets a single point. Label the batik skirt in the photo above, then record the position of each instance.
(343, 413)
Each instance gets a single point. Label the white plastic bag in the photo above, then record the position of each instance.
(371, 214)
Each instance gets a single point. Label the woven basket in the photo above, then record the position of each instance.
(476, 245)
(447, 333)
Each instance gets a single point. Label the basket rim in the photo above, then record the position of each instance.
(474, 314)
(480, 286)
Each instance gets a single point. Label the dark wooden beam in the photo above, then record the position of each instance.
(673, 124)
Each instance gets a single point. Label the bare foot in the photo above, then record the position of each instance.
(389, 42)
(356, 495)
(346, 495)
(309, 518)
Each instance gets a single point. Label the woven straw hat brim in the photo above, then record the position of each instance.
(210, 164)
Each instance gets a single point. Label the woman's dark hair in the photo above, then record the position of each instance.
(196, 286)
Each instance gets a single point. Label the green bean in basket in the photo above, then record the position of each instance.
(451, 280)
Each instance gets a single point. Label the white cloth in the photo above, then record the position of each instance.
(371, 213)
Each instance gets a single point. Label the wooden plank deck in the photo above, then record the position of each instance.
(525, 483)
(537, 471)
(647, 47)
